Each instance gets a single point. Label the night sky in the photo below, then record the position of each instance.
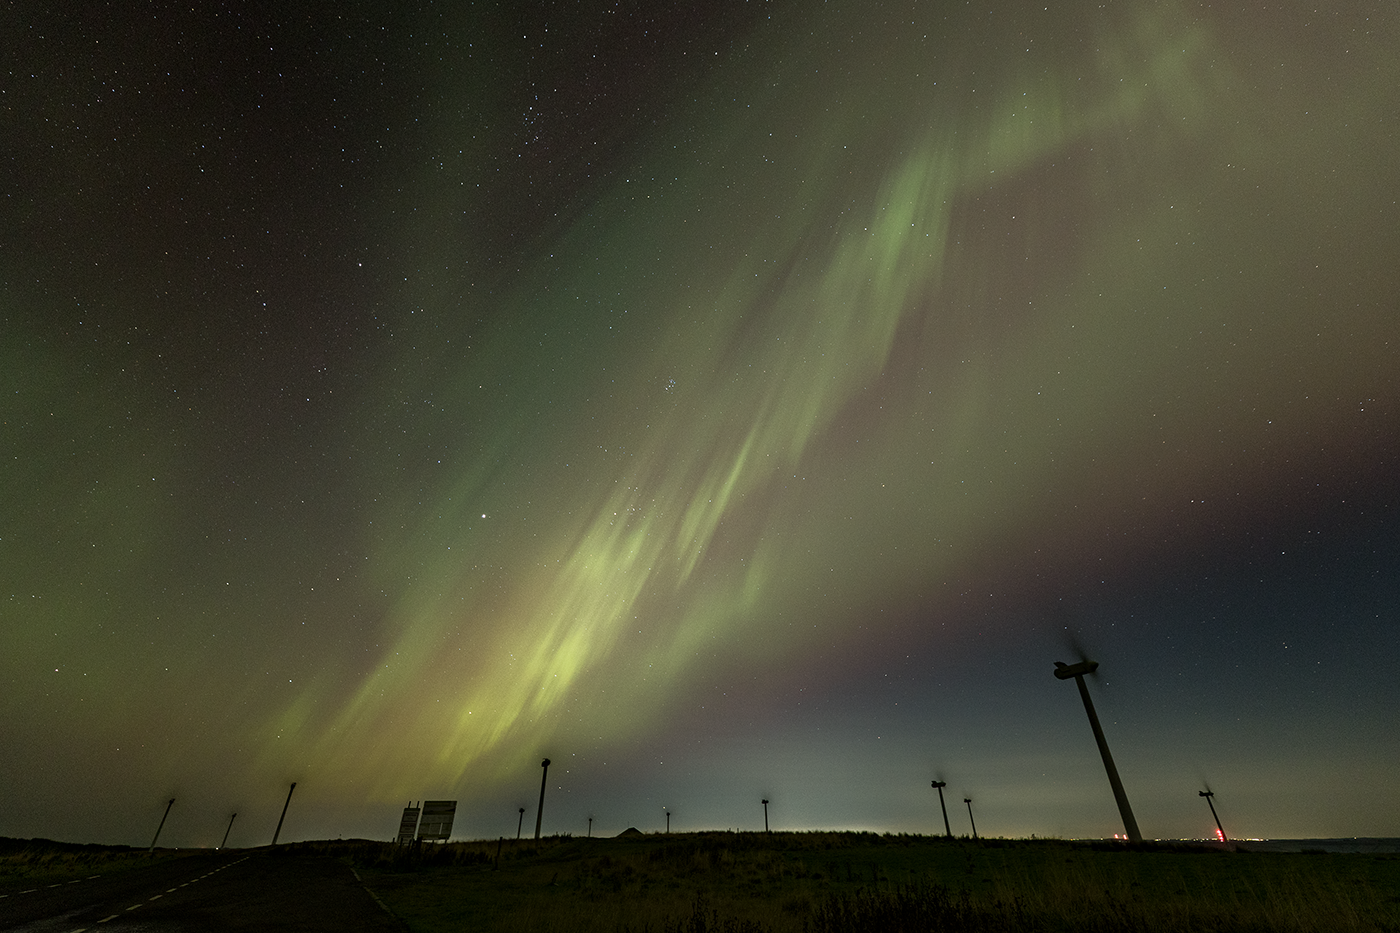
(733, 404)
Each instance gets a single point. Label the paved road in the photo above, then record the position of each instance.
(217, 893)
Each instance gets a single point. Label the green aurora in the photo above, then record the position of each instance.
(883, 309)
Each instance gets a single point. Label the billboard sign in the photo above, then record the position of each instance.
(436, 823)
(408, 825)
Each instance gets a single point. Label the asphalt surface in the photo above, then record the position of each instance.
(214, 893)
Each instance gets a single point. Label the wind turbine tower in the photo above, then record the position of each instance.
(1208, 794)
(539, 814)
(1077, 671)
(162, 824)
(946, 828)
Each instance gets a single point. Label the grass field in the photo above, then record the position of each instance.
(829, 882)
(24, 861)
(824, 883)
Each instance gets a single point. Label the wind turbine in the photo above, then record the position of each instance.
(227, 831)
(946, 828)
(1208, 794)
(520, 825)
(539, 814)
(162, 824)
(1077, 671)
(968, 801)
(765, 814)
(278, 831)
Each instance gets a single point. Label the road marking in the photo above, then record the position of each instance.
(133, 906)
(57, 884)
(172, 890)
(105, 919)
(383, 906)
(153, 898)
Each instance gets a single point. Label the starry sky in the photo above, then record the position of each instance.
(726, 404)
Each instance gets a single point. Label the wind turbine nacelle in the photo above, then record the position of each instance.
(1066, 671)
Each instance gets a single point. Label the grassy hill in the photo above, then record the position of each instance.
(26, 862)
(829, 882)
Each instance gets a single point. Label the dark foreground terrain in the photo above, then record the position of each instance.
(703, 883)
(839, 882)
(49, 887)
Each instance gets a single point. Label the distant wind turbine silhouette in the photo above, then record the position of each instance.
(946, 828)
(520, 825)
(277, 832)
(1208, 794)
(162, 824)
(968, 801)
(539, 814)
(765, 814)
(1077, 671)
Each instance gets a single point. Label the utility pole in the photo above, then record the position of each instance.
(520, 825)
